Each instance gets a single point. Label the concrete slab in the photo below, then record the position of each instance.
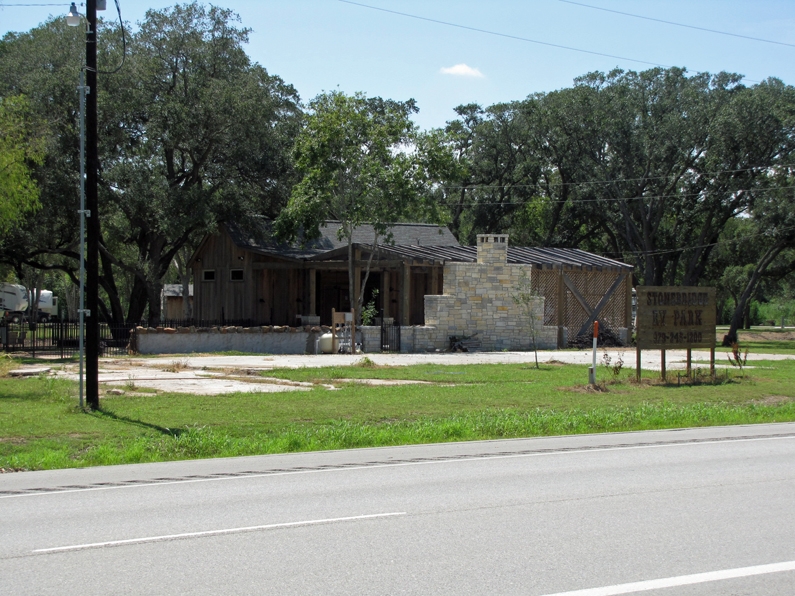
(219, 375)
(32, 371)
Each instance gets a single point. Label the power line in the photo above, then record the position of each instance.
(516, 37)
(498, 34)
(651, 253)
(612, 181)
(615, 199)
(637, 16)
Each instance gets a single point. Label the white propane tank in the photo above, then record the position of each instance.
(325, 343)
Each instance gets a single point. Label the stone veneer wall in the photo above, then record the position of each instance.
(477, 302)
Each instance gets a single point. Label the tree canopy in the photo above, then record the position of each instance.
(360, 163)
(191, 133)
(20, 148)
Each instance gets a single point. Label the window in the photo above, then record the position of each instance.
(208, 275)
(235, 275)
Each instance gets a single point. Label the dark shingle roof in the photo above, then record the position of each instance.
(260, 238)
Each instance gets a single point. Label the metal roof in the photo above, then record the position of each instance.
(544, 257)
(418, 242)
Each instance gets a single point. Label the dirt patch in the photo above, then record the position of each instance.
(598, 388)
(760, 336)
(774, 400)
(387, 382)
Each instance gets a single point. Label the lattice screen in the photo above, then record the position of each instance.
(593, 285)
(545, 282)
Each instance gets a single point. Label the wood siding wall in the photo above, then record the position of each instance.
(264, 296)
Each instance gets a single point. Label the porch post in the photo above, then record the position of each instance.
(312, 292)
(357, 280)
(385, 298)
(405, 294)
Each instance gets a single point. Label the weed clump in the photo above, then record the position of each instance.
(365, 363)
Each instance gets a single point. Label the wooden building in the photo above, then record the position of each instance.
(247, 276)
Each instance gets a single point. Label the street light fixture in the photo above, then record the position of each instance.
(73, 17)
(73, 20)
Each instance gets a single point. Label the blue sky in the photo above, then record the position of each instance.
(319, 45)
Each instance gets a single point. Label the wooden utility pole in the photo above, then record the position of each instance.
(92, 206)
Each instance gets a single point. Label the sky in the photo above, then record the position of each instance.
(324, 45)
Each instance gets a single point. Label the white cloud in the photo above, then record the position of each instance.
(462, 70)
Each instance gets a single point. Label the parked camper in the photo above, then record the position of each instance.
(16, 302)
(48, 306)
(13, 302)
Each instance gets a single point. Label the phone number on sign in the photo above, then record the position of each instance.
(680, 337)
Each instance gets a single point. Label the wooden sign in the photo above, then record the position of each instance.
(671, 317)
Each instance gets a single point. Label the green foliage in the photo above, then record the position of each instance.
(369, 312)
(20, 147)
(361, 165)
(191, 133)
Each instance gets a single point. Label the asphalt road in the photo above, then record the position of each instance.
(702, 511)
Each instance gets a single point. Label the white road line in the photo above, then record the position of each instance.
(682, 580)
(215, 532)
(396, 465)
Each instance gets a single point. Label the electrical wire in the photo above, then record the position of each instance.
(123, 43)
(516, 37)
(619, 199)
(651, 253)
(637, 16)
(498, 34)
(613, 181)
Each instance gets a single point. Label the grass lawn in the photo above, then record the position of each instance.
(42, 428)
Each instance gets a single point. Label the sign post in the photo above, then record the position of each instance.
(674, 317)
(592, 370)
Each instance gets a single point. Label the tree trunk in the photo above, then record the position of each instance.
(138, 300)
(745, 297)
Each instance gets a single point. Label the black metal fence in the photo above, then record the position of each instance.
(60, 339)
(390, 335)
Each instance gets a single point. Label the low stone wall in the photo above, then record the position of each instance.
(432, 339)
(261, 340)
(301, 340)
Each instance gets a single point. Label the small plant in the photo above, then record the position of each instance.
(614, 368)
(129, 384)
(369, 312)
(737, 357)
(527, 298)
(366, 363)
(6, 364)
(177, 365)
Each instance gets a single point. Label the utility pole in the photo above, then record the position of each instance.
(92, 204)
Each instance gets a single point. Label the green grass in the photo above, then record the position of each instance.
(42, 427)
